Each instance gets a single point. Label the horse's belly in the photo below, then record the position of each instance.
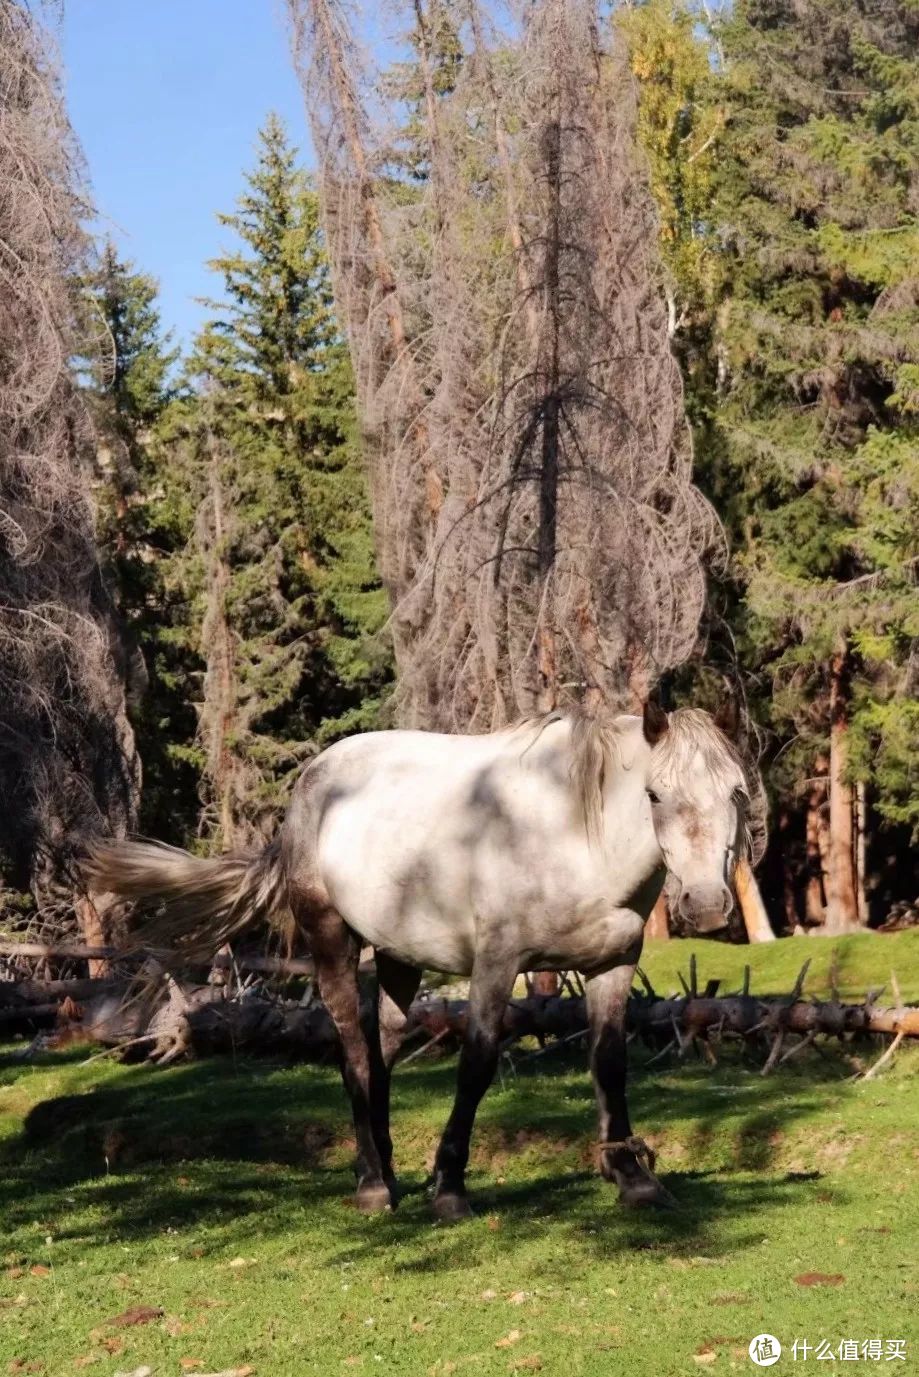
(423, 939)
(589, 937)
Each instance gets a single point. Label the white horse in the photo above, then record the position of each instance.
(543, 846)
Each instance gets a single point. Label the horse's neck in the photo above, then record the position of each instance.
(629, 838)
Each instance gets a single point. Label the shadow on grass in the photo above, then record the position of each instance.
(576, 1215)
(266, 1144)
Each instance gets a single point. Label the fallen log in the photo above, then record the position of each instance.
(201, 1020)
(64, 951)
(75, 951)
(740, 1014)
(169, 1019)
(43, 991)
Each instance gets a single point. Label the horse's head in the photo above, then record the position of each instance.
(699, 795)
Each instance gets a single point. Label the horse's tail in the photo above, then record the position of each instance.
(195, 905)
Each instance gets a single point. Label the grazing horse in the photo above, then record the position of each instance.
(542, 846)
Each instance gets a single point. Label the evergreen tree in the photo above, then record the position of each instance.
(144, 525)
(431, 73)
(783, 148)
(816, 206)
(680, 120)
(130, 372)
(288, 599)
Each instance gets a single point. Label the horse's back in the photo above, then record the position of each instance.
(417, 837)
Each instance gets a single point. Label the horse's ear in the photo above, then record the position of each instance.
(654, 722)
(727, 718)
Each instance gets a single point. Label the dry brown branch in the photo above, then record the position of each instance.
(66, 746)
(510, 338)
(73, 951)
(406, 485)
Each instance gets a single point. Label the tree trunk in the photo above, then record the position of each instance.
(219, 710)
(842, 900)
(861, 851)
(90, 911)
(789, 899)
(658, 924)
(545, 982)
(823, 844)
(750, 902)
(197, 1019)
(814, 901)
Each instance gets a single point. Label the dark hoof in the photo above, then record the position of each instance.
(373, 1199)
(395, 1194)
(645, 1192)
(450, 1209)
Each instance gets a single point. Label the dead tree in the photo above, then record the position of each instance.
(66, 747)
(406, 486)
(533, 500)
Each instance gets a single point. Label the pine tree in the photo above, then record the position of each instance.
(421, 82)
(142, 531)
(680, 120)
(815, 210)
(289, 602)
(782, 151)
(130, 372)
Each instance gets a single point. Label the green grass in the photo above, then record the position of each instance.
(219, 1163)
(858, 964)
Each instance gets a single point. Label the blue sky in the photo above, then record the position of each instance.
(167, 98)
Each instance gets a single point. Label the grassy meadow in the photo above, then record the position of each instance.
(210, 1204)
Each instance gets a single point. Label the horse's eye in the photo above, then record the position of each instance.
(653, 796)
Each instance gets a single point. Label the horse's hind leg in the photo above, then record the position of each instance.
(492, 982)
(336, 952)
(398, 987)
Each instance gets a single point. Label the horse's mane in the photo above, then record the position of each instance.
(596, 750)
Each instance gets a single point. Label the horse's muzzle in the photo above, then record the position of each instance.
(706, 910)
(709, 920)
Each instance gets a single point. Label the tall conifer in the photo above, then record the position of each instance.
(289, 599)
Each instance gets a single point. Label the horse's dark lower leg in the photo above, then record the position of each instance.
(336, 952)
(624, 1158)
(398, 987)
(490, 989)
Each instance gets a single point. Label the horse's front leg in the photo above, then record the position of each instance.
(625, 1159)
(492, 982)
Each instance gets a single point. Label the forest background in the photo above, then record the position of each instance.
(641, 284)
